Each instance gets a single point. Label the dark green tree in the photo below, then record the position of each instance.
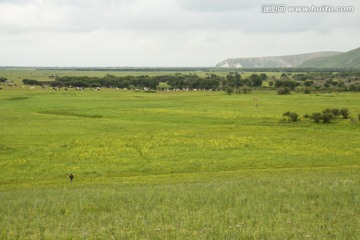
(229, 90)
(308, 83)
(256, 80)
(263, 76)
(284, 76)
(31, 82)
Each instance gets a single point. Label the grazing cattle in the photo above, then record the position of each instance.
(55, 89)
(42, 86)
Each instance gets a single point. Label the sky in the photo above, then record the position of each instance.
(166, 33)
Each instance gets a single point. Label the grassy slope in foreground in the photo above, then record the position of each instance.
(299, 204)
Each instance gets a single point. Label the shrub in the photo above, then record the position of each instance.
(344, 112)
(316, 117)
(308, 83)
(292, 117)
(355, 87)
(286, 83)
(327, 116)
(307, 90)
(341, 84)
(335, 112)
(3, 79)
(283, 90)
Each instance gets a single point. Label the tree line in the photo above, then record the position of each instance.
(176, 81)
(317, 81)
(233, 81)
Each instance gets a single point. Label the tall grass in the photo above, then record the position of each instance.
(252, 205)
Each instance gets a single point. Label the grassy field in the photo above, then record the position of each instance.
(176, 165)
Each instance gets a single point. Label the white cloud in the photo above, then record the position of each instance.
(217, 6)
(164, 32)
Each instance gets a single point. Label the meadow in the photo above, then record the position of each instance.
(176, 165)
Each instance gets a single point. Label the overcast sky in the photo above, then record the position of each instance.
(165, 33)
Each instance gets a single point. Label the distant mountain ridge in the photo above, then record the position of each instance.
(276, 61)
(350, 59)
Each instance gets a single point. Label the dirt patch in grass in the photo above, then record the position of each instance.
(70, 114)
(17, 98)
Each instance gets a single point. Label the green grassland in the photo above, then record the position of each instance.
(176, 165)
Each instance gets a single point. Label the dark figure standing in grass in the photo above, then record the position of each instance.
(71, 176)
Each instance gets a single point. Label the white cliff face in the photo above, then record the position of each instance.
(277, 61)
(225, 65)
(229, 63)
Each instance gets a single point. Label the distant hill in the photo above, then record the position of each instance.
(350, 59)
(277, 61)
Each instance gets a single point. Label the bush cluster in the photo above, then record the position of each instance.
(283, 90)
(292, 117)
(329, 114)
(31, 82)
(326, 116)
